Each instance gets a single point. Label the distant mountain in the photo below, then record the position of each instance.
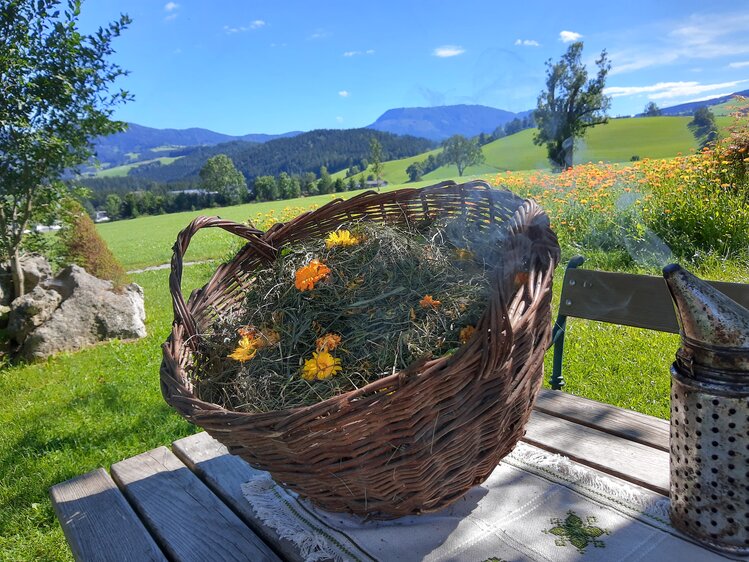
(143, 143)
(336, 149)
(688, 108)
(439, 123)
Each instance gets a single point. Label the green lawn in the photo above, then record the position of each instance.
(122, 171)
(147, 241)
(75, 412)
(617, 141)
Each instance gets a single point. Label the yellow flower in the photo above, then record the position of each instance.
(465, 334)
(429, 302)
(328, 342)
(322, 366)
(341, 238)
(307, 276)
(463, 254)
(246, 349)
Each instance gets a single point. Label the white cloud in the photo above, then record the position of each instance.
(319, 34)
(527, 43)
(569, 36)
(339, 119)
(741, 64)
(170, 6)
(699, 37)
(448, 51)
(357, 53)
(344, 93)
(669, 90)
(253, 25)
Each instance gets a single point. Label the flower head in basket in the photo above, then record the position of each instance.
(307, 276)
(341, 238)
(465, 334)
(328, 342)
(248, 345)
(429, 302)
(322, 366)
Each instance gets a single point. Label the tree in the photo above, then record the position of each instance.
(703, 126)
(266, 188)
(652, 110)
(288, 187)
(113, 205)
(54, 100)
(462, 152)
(375, 149)
(325, 185)
(415, 171)
(220, 175)
(570, 104)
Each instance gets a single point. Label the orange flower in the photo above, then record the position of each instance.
(328, 342)
(307, 276)
(248, 345)
(429, 302)
(466, 333)
(322, 366)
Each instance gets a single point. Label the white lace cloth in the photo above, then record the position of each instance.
(534, 506)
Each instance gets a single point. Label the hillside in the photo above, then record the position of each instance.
(307, 152)
(439, 123)
(617, 141)
(139, 143)
(689, 107)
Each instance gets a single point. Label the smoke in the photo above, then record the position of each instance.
(644, 246)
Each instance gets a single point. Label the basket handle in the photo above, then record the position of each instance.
(182, 314)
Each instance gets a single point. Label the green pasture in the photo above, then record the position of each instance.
(617, 141)
(122, 171)
(78, 411)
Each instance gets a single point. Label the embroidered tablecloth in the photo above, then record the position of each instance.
(534, 506)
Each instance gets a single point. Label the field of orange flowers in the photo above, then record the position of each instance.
(689, 207)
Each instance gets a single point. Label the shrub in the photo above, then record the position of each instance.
(83, 246)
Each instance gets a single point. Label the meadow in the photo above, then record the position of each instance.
(617, 141)
(78, 411)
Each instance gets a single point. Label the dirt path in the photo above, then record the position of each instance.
(167, 266)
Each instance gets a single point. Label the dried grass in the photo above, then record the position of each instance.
(371, 299)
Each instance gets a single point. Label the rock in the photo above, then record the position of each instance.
(74, 278)
(35, 270)
(6, 287)
(91, 311)
(30, 311)
(4, 315)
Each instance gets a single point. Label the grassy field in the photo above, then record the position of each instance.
(617, 141)
(147, 241)
(75, 412)
(122, 171)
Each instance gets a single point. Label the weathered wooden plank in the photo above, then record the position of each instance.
(634, 426)
(186, 518)
(633, 462)
(642, 301)
(98, 522)
(225, 474)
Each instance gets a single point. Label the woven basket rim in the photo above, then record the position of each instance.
(412, 373)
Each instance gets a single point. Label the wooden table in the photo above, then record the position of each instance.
(186, 503)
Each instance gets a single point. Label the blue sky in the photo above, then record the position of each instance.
(270, 66)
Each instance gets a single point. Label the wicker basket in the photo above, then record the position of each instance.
(417, 440)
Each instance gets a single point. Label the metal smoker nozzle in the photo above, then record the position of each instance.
(709, 320)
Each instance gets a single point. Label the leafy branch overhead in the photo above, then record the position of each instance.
(54, 100)
(570, 104)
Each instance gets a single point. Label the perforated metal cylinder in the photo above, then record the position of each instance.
(710, 461)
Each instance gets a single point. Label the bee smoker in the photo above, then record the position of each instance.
(710, 415)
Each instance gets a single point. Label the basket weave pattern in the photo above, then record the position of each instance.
(411, 442)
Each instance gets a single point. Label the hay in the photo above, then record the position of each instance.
(371, 299)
